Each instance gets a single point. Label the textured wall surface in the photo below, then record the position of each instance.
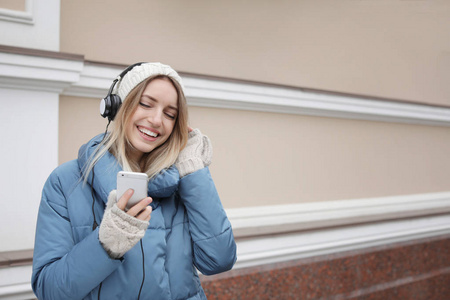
(414, 270)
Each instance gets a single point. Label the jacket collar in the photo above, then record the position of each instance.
(105, 179)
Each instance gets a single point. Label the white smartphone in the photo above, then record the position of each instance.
(132, 180)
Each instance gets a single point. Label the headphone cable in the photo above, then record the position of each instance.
(95, 225)
(143, 270)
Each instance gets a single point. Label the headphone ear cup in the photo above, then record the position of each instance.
(105, 106)
(109, 106)
(115, 105)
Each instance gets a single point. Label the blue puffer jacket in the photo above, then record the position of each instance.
(188, 229)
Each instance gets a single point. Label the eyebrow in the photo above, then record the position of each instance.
(156, 100)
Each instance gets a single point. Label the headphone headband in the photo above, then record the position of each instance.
(128, 69)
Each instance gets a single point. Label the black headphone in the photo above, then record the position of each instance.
(109, 106)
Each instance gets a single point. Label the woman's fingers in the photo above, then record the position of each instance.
(145, 215)
(140, 206)
(140, 211)
(124, 199)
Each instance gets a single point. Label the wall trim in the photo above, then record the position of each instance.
(259, 251)
(265, 220)
(17, 291)
(71, 75)
(95, 81)
(273, 234)
(247, 96)
(38, 73)
(25, 17)
(15, 283)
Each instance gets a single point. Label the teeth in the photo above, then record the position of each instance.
(148, 132)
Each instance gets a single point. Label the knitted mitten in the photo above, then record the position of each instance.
(196, 155)
(119, 232)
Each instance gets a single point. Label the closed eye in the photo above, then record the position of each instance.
(144, 105)
(170, 116)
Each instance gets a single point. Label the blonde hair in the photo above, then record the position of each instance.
(118, 144)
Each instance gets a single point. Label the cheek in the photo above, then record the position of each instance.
(169, 126)
(131, 122)
(129, 128)
(169, 130)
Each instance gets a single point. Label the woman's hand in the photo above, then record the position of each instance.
(141, 210)
(119, 230)
(196, 155)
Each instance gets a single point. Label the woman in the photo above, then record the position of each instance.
(152, 250)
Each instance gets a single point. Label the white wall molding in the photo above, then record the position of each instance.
(28, 72)
(94, 82)
(247, 96)
(278, 248)
(15, 283)
(264, 220)
(26, 17)
(210, 92)
(272, 234)
(77, 78)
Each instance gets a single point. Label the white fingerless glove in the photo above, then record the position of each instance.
(119, 232)
(196, 155)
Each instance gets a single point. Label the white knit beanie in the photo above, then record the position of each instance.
(140, 73)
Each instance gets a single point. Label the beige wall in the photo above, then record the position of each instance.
(13, 4)
(79, 121)
(268, 158)
(386, 48)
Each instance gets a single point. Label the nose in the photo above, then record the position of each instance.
(155, 118)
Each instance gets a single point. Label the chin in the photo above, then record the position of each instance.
(146, 150)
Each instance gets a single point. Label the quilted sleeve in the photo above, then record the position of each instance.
(212, 236)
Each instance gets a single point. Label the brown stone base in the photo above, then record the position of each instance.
(414, 270)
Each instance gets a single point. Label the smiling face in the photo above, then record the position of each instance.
(154, 118)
